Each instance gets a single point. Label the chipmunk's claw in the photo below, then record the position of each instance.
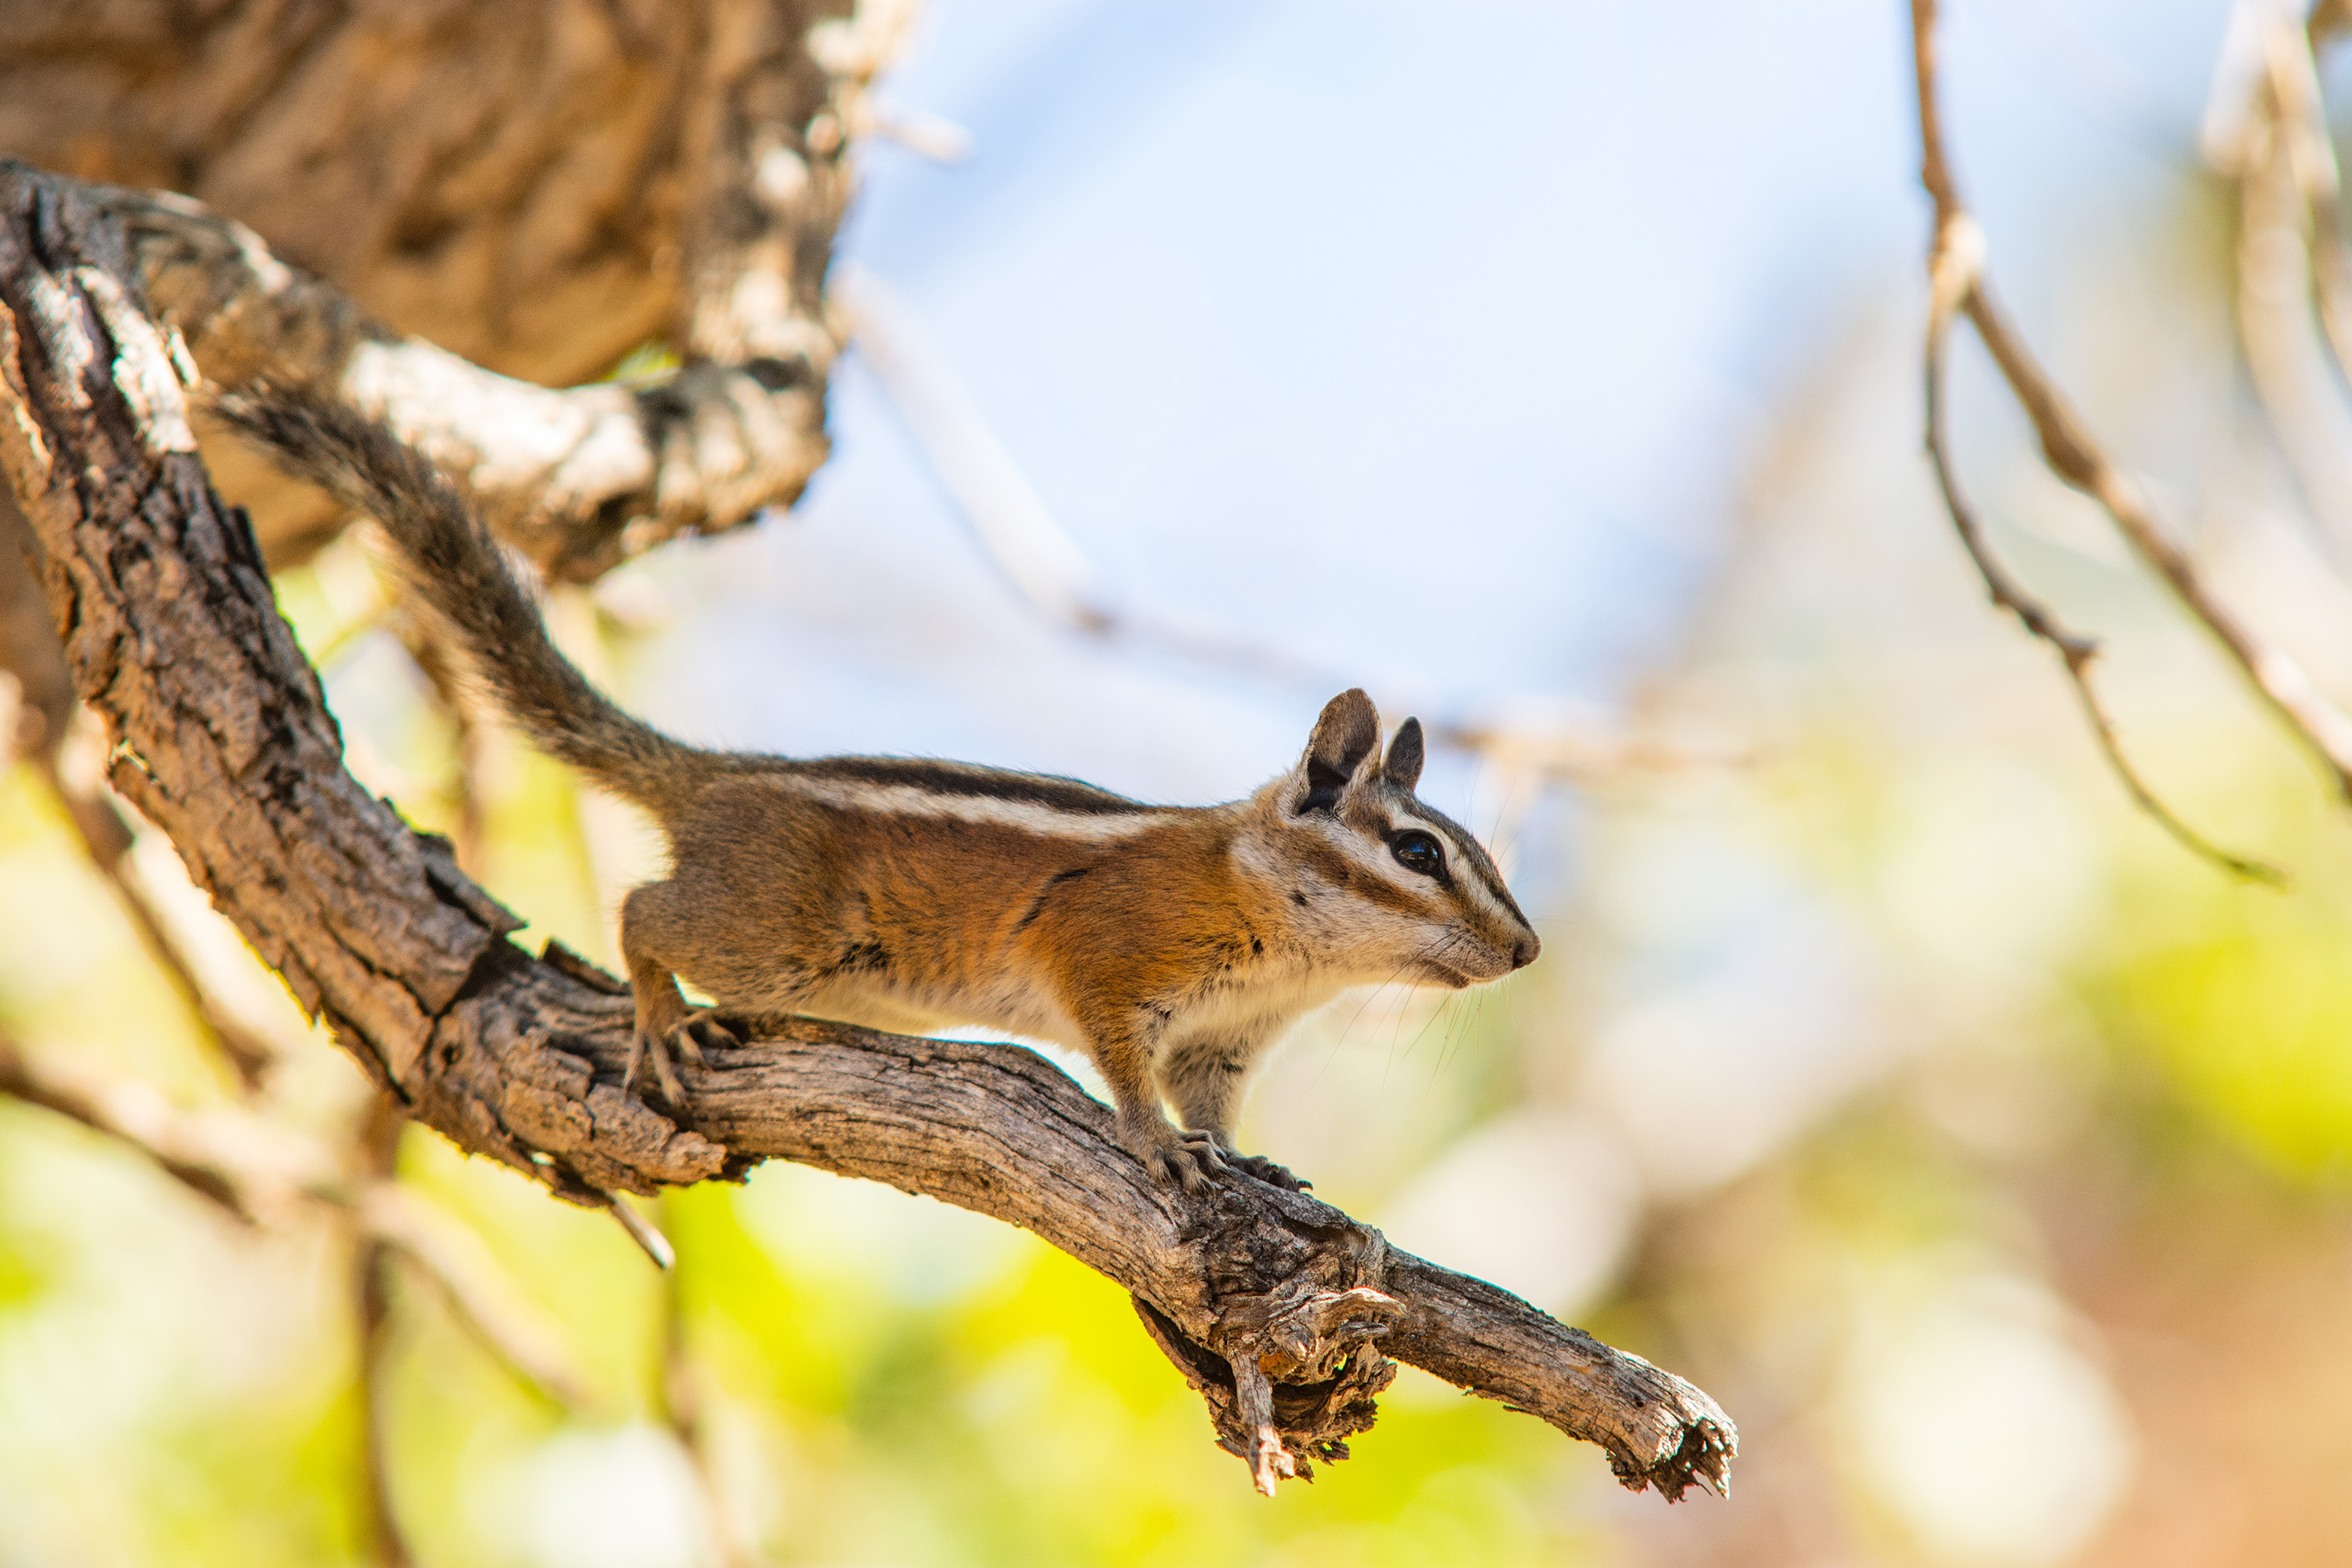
(1193, 1158)
(702, 1028)
(1266, 1171)
(690, 1033)
(644, 1045)
(1189, 1159)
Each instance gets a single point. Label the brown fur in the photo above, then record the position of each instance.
(1173, 944)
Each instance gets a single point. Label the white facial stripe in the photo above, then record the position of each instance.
(1029, 817)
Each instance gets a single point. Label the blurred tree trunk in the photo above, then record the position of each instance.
(538, 186)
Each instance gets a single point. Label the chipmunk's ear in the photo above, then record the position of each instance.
(1402, 766)
(1344, 736)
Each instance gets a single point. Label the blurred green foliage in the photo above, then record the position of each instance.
(2249, 1022)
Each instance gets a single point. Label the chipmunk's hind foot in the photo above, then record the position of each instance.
(1266, 1171)
(689, 1034)
(1191, 1161)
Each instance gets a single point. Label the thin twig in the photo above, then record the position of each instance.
(1045, 566)
(2322, 181)
(932, 136)
(106, 839)
(451, 1258)
(2072, 454)
(643, 1232)
(1957, 285)
(135, 1117)
(684, 1408)
(376, 1149)
(1021, 536)
(2286, 177)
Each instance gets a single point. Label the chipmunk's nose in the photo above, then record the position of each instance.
(1525, 953)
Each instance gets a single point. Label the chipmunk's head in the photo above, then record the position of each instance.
(1378, 881)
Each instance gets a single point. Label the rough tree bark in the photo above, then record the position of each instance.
(1279, 1308)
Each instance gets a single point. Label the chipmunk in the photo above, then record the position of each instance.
(1173, 945)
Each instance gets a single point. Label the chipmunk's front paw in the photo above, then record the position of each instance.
(1189, 1159)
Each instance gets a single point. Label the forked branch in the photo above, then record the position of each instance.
(1952, 274)
(1958, 286)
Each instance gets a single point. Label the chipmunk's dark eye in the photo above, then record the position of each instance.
(1417, 851)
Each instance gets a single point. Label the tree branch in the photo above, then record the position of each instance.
(578, 478)
(29, 652)
(1951, 273)
(2331, 262)
(221, 738)
(1957, 285)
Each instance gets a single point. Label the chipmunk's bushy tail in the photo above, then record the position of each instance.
(453, 566)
